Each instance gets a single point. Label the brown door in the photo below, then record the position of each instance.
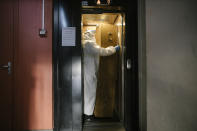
(6, 60)
(107, 75)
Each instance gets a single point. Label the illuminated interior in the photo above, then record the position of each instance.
(109, 32)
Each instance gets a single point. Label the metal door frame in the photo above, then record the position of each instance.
(137, 13)
(142, 65)
(118, 10)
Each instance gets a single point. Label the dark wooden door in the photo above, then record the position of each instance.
(6, 60)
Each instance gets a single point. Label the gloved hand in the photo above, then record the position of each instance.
(117, 48)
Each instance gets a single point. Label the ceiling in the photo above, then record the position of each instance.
(95, 19)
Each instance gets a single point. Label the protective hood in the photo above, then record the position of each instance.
(89, 35)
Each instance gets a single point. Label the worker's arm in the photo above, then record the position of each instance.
(96, 49)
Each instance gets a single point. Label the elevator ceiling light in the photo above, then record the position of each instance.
(94, 19)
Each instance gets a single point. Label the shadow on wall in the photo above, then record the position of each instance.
(33, 68)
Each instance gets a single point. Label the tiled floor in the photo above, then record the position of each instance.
(103, 125)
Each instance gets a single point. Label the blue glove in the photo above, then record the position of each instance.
(117, 48)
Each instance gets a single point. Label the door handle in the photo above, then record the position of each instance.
(6, 67)
(129, 64)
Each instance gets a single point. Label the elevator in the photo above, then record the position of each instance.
(110, 31)
(117, 76)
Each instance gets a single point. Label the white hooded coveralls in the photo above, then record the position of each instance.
(92, 51)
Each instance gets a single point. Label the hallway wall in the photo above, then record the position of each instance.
(33, 66)
(171, 32)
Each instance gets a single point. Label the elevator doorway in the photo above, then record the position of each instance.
(118, 104)
(109, 106)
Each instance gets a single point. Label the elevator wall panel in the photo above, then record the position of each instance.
(119, 88)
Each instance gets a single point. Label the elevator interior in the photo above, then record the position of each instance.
(110, 28)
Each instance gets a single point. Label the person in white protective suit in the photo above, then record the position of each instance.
(92, 51)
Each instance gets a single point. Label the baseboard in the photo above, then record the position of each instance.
(38, 130)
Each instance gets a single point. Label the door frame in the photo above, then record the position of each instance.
(142, 65)
(118, 10)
